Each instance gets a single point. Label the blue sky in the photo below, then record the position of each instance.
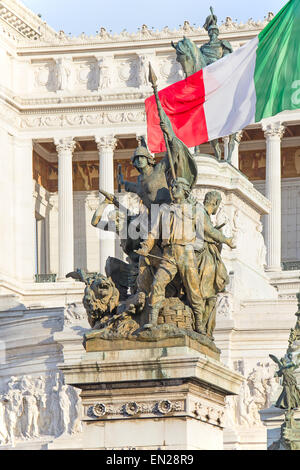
(77, 16)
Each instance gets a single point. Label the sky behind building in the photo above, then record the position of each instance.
(77, 16)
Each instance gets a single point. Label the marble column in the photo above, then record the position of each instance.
(24, 212)
(235, 154)
(106, 146)
(273, 134)
(65, 147)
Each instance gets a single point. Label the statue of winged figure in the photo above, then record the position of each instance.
(289, 398)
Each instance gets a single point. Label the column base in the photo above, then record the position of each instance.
(273, 269)
(65, 279)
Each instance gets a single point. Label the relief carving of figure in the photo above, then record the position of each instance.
(261, 247)
(12, 401)
(32, 407)
(63, 73)
(143, 70)
(31, 414)
(3, 429)
(105, 78)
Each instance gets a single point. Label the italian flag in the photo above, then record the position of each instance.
(257, 81)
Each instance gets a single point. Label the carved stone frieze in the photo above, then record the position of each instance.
(209, 413)
(74, 312)
(257, 393)
(83, 119)
(131, 409)
(32, 408)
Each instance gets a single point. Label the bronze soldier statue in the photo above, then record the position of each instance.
(216, 48)
(192, 59)
(151, 185)
(213, 276)
(178, 252)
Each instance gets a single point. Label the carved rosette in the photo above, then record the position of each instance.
(164, 407)
(131, 408)
(99, 410)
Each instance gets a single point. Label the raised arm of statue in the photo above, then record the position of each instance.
(211, 232)
(131, 187)
(99, 212)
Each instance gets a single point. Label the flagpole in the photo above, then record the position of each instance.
(161, 113)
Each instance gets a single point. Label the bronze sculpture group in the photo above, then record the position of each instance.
(174, 269)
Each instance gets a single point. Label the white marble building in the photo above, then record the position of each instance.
(70, 111)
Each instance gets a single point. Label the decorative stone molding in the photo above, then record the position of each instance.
(65, 145)
(145, 33)
(164, 407)
(239, 136)
(274, 129)
(209, 413)
(19, 23)
(81, 119)
(106, 143)
(99, 410)
(131, 409)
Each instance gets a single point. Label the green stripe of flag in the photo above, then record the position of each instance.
(277, 70)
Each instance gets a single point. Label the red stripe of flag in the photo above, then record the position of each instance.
(183, 104)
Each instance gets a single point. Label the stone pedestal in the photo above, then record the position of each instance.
(160, 395)
(283, 429)
(272, 418)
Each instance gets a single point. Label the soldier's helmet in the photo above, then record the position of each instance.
(211, 22)
(142, 151)
(213, 27)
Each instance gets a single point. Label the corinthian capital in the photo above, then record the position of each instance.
(106, 143)
(273, 129)
(65, 145)
(239, 136)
